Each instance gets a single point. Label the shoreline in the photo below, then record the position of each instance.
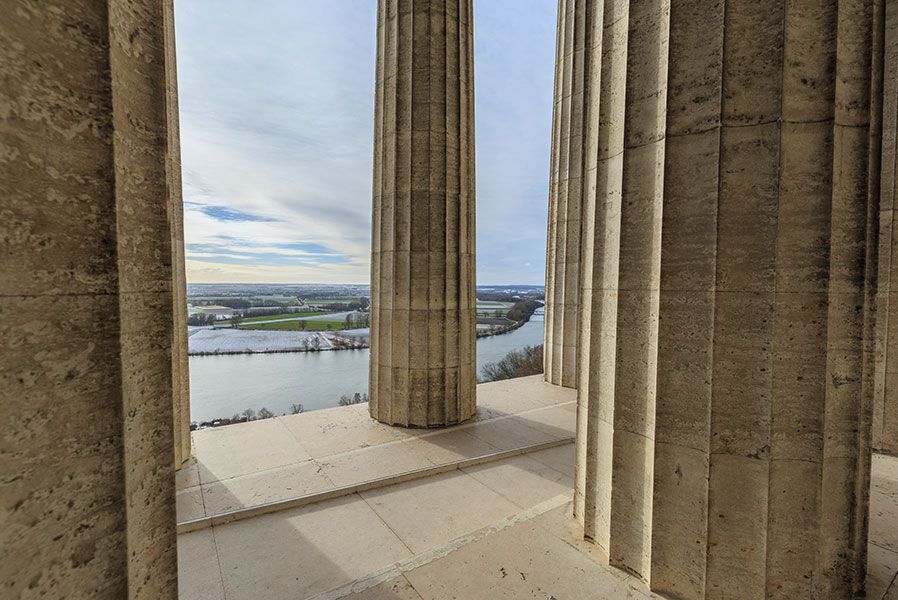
(338, 340)
(287, 351)
(485, 334)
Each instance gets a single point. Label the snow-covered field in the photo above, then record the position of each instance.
(353, 333)
(223, 341)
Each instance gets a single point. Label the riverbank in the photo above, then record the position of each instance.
(213, 342)
(223, 342)
(225, 385)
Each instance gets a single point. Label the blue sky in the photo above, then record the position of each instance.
(276, 101)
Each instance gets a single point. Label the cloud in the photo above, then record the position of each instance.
(277, 105)
(223, 213)
(227, 250)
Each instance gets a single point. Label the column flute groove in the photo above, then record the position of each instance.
(180, 363)
(885, 400)
(566, 192)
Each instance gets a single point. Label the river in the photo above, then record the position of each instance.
(221, 386)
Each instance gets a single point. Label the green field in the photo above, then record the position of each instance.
(283, 299)
(486, 308)
(341, 300)
(310, 325)
(493, 304)
(279, 317)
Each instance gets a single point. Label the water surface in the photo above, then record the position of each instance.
(221, 386)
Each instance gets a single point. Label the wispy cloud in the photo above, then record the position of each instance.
(277, 105)
(223, 213)
(228, 249)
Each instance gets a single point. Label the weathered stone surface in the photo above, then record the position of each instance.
(88, 486)
(180, 372)
(423, 304)
(885, 404)
(567, 191)
(600, 265)
(727, 293)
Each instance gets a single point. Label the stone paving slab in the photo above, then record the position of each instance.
(249, 464)
(445, 536)
(303, 552)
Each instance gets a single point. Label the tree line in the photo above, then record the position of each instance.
(517, 363)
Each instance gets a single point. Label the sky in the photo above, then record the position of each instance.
(277, 123)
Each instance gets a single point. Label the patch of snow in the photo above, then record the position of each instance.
(222, 341)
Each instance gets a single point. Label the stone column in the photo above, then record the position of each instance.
(423, 305)
(566, 191)
(180, 373)
(621, 278)
(744, 472)
(601, 250)
(86, 376)
(885, 406)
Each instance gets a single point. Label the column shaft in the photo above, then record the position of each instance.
(686, 310)
(87, 314)
(750, 296)
(423, 354)
(638, 285)
(885, 408)
(566, 193)
(601, 251)
(180, 366)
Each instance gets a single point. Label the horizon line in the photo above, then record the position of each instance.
(342, 283)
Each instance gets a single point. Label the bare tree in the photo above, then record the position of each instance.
(250, 414)
(517, 363)
(357, 398)
(264, 413)
(296, 409)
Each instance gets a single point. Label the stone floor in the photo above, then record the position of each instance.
(254, 463)
(491, 531)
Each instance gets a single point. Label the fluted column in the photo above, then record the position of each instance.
(686, 311)
(885, 405)
(726, 361)
(423, 305)
(180, 373)
(621, 278)
(86, 320)
(566, 191)
(598, 318)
